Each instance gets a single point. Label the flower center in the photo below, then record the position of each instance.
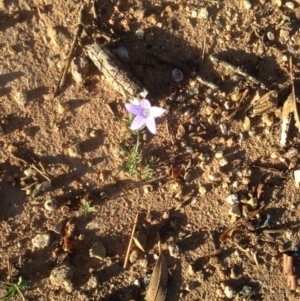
(146, 112)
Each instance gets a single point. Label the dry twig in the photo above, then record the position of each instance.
(130, 241)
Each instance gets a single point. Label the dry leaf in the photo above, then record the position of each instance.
(228, 234)
(158, 284)
(287, 109)
(138, 244)
(256, 212)
(69, 237)
(263, 104)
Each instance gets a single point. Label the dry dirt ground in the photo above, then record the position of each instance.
(200, 164)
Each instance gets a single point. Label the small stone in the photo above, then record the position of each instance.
(174, 251)
(247, 124)
(180, 132)
(284, 34)
(247, 4)
(193, 14)
(56, 228)
(97, 250)
(232, 199)
(41, 240)
(122, 53)
(219, 155)
(21, 98)
(252, 203)
(189, 149)
(235, 211)
(290, 5)
(139, 14)
(278, 2)
(92, 283)
(229, 292)
(177, 75)
(224, 129)
(270, 36)
(50, 204)
(140, 34)
(223, 162)
(79, 68)
(63, 108)
(62, 274)
(137, 283)
(74, 150)
(297, 178)
(245, 292)
(134, 255)
(203, 13)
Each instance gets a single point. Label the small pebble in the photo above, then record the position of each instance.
(92, 283)
(140, 34)
(137, 283)
(235, 210)
(189, 149)
(224, 129)
(50, 204)
(229, 292)
(134, 255)
(177, 75)
(245, 292)
(223, 162)
(41, 240)
(270, 36)
(79, 68)
(247, 4)
(122, 53)
(21, 98)
(174, 251)
(232, 199)
(203, 13)
(97, 250)
(290, 5)
(219, 154)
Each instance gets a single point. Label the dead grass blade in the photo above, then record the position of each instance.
(296, 114)
(138, 244)
(158, 284)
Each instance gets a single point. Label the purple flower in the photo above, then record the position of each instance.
(144, 115)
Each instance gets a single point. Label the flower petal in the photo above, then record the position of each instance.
(156, 111)
(145, 103)
(138, 122)
(133, 109)
(150, 123)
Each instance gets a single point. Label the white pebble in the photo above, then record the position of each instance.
(203, 13)
(223, 162)
(21, 98)
(290, 5)
(247, 4)
(232, 199)
(41, 240)
(137, 283)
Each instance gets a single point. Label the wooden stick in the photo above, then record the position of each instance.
(284, 262)
(62, 79)
(296, 115)
(292, 282)
(115, 73)
(130, 241)
(289, 267)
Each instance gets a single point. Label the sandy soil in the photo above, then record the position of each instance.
(210, 144)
